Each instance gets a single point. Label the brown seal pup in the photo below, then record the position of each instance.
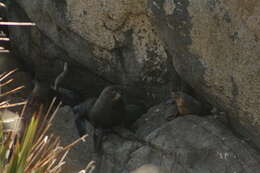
(187, 104)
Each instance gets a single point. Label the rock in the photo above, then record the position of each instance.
(172, 112)
(152, 48)
(10, 121)
(106, 43)
(133, 113)
(211, 44)
(148, 168)
(189, 144)
(192, 144)
(156, 116)
(64, 126)
(214, 46)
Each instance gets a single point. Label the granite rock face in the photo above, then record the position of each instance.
(150, 46)
(189, 144)
(104, 42)
(215, 49)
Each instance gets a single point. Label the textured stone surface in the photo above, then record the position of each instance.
(64, 126)
(215, 48)
(148, 168)
(104, 43)
(189, 144)
(213, 45)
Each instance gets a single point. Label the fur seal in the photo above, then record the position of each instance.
(109, 108)
(186, 104)
(104, 113)
(43, 94)
(107, 112)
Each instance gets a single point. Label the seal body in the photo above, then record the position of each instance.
(82, 110)
(109, 109)
(41, 96)
(187, 104)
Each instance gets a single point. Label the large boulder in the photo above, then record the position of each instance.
(104, 42)
(189, 144)
(215, 48)
(212, 44)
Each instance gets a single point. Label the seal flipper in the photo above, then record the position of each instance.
(98, 138)
(81, 125)
(82, 111)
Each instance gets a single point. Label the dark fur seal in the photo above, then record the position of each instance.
(107, 112)
(104, 113)
(41, 94)
(109, 109)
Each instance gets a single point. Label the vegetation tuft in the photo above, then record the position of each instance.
(29, 148)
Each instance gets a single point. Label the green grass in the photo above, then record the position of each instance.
(31, 149)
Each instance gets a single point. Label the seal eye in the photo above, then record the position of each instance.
(116, 96)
